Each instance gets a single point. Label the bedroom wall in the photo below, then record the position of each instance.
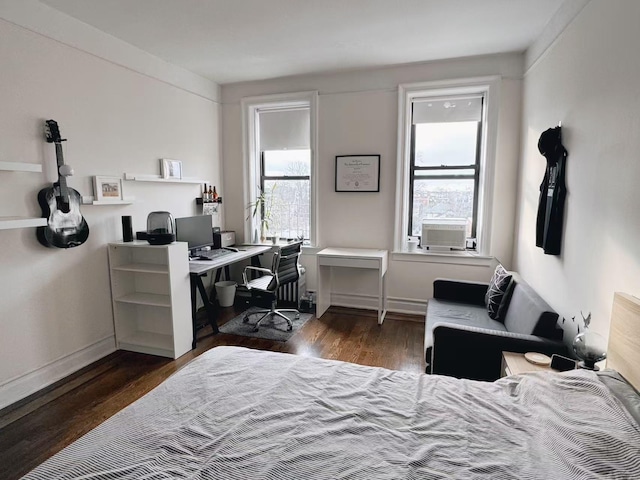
(358, 114)
(588, 79)
(120, 114)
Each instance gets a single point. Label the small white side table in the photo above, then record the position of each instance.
(351, 258)
(516, 364)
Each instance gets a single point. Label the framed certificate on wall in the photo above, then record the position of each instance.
(358, 173)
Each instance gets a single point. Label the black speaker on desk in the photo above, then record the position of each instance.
(217, 238)
(127, 229)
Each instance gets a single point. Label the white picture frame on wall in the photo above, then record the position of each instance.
(171, 169)
(107, 189)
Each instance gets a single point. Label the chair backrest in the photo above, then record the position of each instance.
(285, 265)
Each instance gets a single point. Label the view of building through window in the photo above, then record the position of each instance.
(444, 173)
(285, 180)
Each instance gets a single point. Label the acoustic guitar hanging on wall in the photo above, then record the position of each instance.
(66, 228)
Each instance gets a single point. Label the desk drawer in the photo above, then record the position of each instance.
(352, 262)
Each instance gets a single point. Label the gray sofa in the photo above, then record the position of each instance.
(461, 339)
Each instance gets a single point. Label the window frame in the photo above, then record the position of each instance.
(475, 176)
(489, 87)
(252, 156)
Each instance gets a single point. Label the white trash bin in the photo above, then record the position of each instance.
(226, 292)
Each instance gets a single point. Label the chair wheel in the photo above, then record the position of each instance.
(297, 316)
(255, 329)
(245, 320)
(289, 328)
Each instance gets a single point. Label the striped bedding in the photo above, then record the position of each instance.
(235, 413)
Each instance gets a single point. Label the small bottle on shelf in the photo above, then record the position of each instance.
(210, 194)
(214, 196)
(204, 193)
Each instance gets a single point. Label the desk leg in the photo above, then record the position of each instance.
(192, 281)
(324, 290)
(255, 262)
(196, 282)
(382, 299)
(211, 314)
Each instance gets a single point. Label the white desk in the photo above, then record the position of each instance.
(199, 268)
(351, 258)
(245, 252)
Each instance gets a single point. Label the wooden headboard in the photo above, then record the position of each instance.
(623, 353)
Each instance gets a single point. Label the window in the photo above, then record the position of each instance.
(280, 164)
(446, 149)
(445, 160)
(285, 178)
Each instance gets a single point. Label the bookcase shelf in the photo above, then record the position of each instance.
(150, 299)
(143, 268)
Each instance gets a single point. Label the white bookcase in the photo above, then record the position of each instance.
(151, 297)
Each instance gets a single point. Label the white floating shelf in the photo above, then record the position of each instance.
(21, 167)
(157, 178)
(88, 200)
(21, 222)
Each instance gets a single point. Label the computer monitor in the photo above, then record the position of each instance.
(196, 231)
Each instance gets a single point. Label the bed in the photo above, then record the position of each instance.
(236, 413)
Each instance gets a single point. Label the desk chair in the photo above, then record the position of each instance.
(284, 270)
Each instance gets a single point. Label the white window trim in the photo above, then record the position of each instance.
(490, 87)
(251, 154)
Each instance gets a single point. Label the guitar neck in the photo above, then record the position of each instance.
(62, 180)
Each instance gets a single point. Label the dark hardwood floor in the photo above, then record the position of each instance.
(48, 423)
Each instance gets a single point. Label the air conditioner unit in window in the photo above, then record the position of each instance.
(444, 233)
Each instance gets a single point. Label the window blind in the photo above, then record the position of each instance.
(447, 109)
(284, 129)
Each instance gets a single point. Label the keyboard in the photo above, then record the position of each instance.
(212, 254)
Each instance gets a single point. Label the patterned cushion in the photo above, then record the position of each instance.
(495, 293)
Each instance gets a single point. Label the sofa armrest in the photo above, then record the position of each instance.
(459, 291)
(476, 353)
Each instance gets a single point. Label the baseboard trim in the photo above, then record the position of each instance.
(21, 387)
(370, 302)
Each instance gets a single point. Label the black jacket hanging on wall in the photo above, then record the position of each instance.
(552, 192)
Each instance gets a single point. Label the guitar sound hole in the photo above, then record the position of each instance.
(62, 205)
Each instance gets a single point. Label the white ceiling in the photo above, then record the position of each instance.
(239, 40)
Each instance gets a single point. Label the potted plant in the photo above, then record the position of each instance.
(262, 208)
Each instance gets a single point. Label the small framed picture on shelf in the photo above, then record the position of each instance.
(171, 169)
(107, 188)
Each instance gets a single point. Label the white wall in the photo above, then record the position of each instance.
(55, 308)
(590, 80)
(358, 114)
